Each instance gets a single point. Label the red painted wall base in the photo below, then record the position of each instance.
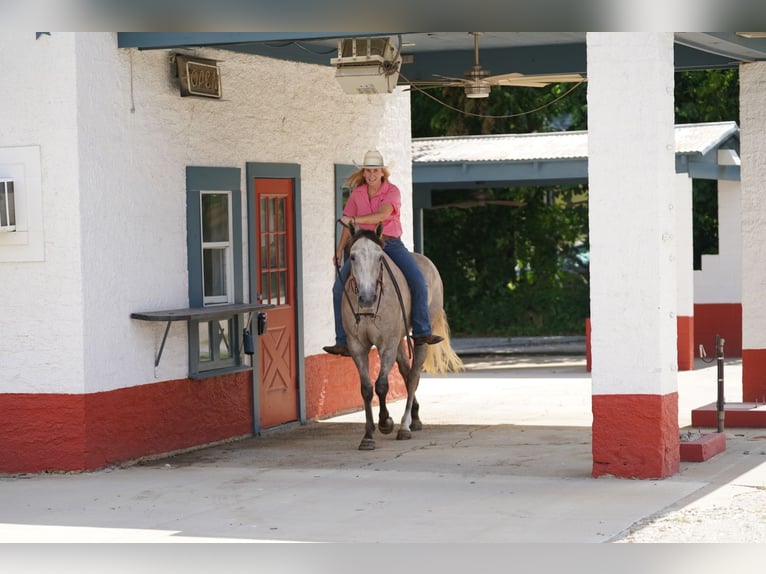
(635, 436)
(332, 384)
(64, 432)
(79, 432)
(724, 319)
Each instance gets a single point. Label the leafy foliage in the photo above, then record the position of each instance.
(519, 270)
(711, 96)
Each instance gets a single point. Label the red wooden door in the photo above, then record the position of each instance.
(276, 284)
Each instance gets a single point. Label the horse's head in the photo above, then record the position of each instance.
(366, 255)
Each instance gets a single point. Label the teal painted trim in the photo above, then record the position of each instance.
(199, 179)
(156, 40)
(206, 178)
(499, 174)
(218, 372)
(704, 170)
(342, 173)
(193, 247)
(278, 171)
(421, 199)
(236, 216)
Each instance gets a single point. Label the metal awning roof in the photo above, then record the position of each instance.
(550, 158)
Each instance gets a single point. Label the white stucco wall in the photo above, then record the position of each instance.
(719, 280)
(116, 138)
(41, 319)
(752, 82)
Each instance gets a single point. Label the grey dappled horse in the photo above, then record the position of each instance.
(376, 312)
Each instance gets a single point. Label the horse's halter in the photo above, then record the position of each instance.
(378, 291)
(378, 282)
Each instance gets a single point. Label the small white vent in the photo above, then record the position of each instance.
(7, 206)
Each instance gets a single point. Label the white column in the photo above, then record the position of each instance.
(752, 81)
(684, 270)
(633, 238)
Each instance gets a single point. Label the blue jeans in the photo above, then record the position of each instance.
(400, 255)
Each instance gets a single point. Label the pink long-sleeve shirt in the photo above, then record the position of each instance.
(360, 203)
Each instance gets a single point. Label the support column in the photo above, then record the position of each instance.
(685, 270)
(633, 269)
(752, 82)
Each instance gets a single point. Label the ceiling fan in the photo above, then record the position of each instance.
(480, 198)
(477, 82)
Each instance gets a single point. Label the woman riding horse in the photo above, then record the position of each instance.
(374, 200)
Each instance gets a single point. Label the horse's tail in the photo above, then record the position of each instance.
(441, 357)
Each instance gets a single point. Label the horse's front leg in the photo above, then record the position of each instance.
(363, 366)
(385, 422)
(410, 418)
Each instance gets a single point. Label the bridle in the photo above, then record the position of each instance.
(378, 290)
(379, 287)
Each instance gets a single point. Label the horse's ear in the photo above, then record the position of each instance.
(379, 230)
(351, 229)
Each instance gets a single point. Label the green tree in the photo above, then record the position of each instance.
(502, 265)
(709, 96)
(517, 270)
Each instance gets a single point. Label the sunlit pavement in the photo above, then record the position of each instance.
(504, 456)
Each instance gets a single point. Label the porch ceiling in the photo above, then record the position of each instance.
(452, 53)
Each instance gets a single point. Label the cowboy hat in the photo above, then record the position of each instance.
(372, 158)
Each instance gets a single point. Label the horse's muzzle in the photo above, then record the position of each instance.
(367, 300)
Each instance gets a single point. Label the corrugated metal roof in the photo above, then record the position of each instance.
(691, 139)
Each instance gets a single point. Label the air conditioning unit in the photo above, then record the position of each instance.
(367, 65)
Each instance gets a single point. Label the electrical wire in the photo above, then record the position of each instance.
(466, 113)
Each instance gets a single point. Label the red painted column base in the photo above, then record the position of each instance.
(635, 436)
(685, 345)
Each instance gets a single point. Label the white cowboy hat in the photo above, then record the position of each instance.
(372, 158)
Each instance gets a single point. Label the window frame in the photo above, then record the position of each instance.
(226, 246)
(210, 180)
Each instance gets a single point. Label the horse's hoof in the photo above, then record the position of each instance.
(367, 444)
(403, 434)
(416, 425)
(386, 427)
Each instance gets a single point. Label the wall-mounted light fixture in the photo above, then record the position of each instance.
(197, 76)
(7, 205)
